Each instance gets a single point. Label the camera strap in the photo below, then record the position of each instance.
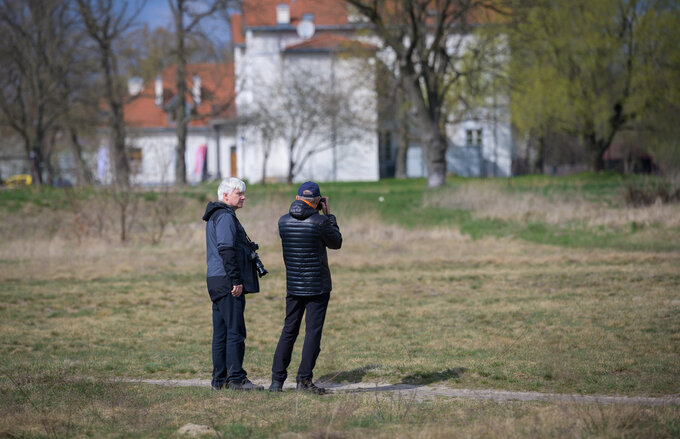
(233, 214)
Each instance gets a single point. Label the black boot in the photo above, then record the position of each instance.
(307, 385)
(276, 386)
(244, 385)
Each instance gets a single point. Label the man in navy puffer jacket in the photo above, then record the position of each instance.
(230, 276)
(305, 235)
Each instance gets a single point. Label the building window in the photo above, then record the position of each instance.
(473, 137)
(135, 157)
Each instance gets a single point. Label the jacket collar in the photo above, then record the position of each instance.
(214, 206)
(301, 210)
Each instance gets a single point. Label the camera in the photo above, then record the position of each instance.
(255, 259)
(322, 203)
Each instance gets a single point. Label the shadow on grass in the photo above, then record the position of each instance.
(348, 376)
(434, 377)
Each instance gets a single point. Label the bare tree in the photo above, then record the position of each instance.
(395, 115)
(405, 122)
(428, 38)
(106, 22)
(300, 112)
(188, 15)
(80, 109)
(150, 51)
(36, 53)
(311, 111)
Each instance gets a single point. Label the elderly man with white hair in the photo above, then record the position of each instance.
(231, 274)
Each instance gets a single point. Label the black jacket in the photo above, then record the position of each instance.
(227, 253)
(305, 234)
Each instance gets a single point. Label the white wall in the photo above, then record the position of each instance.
(262, 71)
(158, 155)
(497, 141)
(495, 157)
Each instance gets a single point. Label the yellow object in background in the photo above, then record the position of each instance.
(19, 180)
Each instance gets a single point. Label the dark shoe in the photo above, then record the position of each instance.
(276, 386)
(309, 386)
(244, 385)
(218, 387)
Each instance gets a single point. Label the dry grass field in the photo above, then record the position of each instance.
(459, 287)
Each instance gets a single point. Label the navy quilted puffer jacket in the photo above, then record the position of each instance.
(305, 234)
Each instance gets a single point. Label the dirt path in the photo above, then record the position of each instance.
(424, 392)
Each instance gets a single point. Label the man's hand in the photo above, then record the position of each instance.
(325, 208)
(237, 290)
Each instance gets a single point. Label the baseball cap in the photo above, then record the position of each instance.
(309, 189)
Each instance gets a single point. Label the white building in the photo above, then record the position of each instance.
(211, 147)
(279, 43)
(306, 93)
(306, 107)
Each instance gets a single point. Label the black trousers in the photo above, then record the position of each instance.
(228, 343)
(316, 314)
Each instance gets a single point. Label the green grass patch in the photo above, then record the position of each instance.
(413, 302)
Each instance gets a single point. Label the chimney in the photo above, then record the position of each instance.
(158, 91)
(196, 91)
(135, 84)
(282, 14)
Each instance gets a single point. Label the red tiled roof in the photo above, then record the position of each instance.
(326, 12)
(217, 92)
(332, 42)
(236, 22)
(335, 12)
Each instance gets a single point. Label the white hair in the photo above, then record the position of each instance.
(228, 185)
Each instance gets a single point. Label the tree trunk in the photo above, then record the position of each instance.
(121, 163)
(83, 171)
(291, 164)
(265, 159)
(597, 161)
(598, 145)
(180, 155)
(402, 155)
(539, 163)
(402, 149)
(435, 142)
(433, 133)
(596, 148)
(123, 222)
(181, 116)
(49, 169)
(116, 121)
(35, 157)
